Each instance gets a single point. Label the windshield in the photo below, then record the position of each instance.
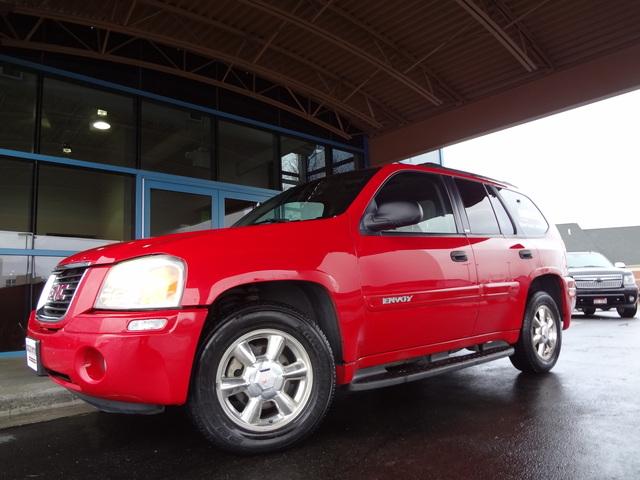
(588, 259)
(322, 198)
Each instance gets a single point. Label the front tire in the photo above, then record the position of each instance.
(264, 380)
(628, 312)
(538, 347)
(588, 312)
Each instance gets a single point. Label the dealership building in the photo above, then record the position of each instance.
(124, 153)
(125, 120)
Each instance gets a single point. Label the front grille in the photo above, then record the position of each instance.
(61, 293)
(598, 281)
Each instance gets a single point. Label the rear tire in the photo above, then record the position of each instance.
(540, 339)
(264, 379)
(588, 312)
(628, 312)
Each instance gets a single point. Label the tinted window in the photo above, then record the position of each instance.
(428, 191)
(176, 141)
(86, 123)
(527, 216)
(17, 108)
(324, 198)
(300, 160)
(344, 161)
(15, 200)
(79, 209)
(503, 217)
(482, 219)
(245, 155)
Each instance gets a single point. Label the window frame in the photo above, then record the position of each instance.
(519, 230)
(465, 218)
(444, 183)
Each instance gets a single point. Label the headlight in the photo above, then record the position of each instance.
(629, 279)
(156, 281)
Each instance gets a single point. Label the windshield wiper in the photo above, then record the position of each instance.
(272, 220)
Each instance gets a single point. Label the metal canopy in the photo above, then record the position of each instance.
(350, 66)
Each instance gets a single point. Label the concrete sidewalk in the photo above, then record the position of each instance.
(26, 398)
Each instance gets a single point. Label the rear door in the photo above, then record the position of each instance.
(419, 281)
(502, 261)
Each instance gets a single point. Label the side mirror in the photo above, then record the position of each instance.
(620, 265)
(393, 215)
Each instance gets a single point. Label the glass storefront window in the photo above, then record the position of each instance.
(79, 209)
(17, 108)
(14, 301)
(306, 159)
(176, 212)
(245, 155)
(235, 209)
(176, 141)
(15, 200)
(87, 124)
(344, 161)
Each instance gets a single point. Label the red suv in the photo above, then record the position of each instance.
(365, 279)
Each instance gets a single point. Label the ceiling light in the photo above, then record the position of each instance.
(101, 125)
(100, 121)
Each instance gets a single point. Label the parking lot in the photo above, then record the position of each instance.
(580, 421)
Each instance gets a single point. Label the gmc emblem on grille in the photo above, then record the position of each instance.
(57, 292)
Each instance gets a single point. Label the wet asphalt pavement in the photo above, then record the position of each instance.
(581, 421)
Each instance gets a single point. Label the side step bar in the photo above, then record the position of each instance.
(379, 377)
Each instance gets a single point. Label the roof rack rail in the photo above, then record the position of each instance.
(454, 170)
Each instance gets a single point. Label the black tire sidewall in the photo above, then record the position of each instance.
(205, 406)
(536, 363)
(627, 312)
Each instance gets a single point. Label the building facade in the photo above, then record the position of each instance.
(93, 153)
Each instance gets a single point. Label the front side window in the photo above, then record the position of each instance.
(324, 198)
(527, 215)
(428, 191)
(482, 219)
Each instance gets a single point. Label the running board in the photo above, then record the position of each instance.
(379, 377)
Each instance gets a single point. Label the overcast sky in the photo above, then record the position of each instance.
(579, 166)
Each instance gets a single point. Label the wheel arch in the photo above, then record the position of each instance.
(308, 297)
(554, 285)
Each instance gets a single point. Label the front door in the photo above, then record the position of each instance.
(419, 281)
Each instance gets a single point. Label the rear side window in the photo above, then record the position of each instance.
(425, 189)
(482, 219)
(506, 225)
(526, 214)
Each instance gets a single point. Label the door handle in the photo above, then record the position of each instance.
(525, 254)
(459, 256)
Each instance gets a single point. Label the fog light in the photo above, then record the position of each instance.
(91, 365)
(147, 324)
(632, 298)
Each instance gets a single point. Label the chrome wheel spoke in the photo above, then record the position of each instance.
(252, 410)
(285, 404)
(244, 354)
(537, 338)
(275, 345)
(265, 380)
(541, 348)
(295, 371)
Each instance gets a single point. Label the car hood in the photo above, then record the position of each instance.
(598, 271)
(185, 245)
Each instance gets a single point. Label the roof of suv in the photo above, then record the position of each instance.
(436, 167)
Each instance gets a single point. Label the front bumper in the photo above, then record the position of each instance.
(619, 297)
(93, 355)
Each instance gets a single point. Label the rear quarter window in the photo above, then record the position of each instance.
(527, 215)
